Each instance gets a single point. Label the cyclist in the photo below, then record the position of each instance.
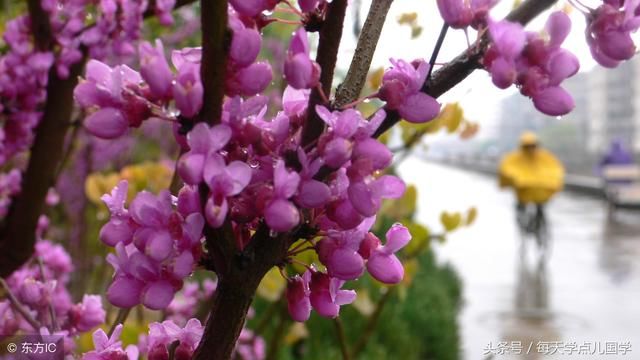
(535, 175)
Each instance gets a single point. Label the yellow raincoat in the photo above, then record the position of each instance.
(535, 176)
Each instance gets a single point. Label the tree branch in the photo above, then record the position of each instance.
(216, 40)
(18, 233)
(464, 64)
(350, 89)
(328, 45)
(40, 26)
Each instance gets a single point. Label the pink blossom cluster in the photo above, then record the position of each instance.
(110, 347)
(402, 90)
(609, 29)
(25, 68)
(254, 168)
(119, 97)
(163, 335)
(156, 247)
(460, 14)
(186, 302)
(166, 337)
(40, 288)
(344, 254)
(535, 64)
(24, 73)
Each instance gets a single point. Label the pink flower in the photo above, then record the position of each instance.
(300, 71)
(111, 90)
(155, 254)
(308, 5)
(327, 297)
(383, 264)
(88, 314)
(110, 348)
(461, 13)
(609, 30)
(253, 8)
(154, 69)
(162, 335)
(202, 141)
(339, 251)
(554, 101)
(508, 41)
(245, 45)
(224, 181)
(107, 123)
(537, 65)
(366, 196)
(298, 294)
(401, 89)
(188, 90)
(281, 214)
(250, 80)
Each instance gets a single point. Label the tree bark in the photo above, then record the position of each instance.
(235, 293)
(18, 235)
(350, 89)
(328, 46)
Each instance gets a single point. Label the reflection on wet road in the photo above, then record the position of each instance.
(587, 292)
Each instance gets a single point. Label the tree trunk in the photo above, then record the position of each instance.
(235, 293)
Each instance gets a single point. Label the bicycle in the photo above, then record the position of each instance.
(532, 221)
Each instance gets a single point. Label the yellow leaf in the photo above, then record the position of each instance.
(384, 138)
(403, 207)
(451, 116)
(469, 130)
(407, 18)
(272, 285)
(98, 184)
(419, 240)
(410, 270)
(297, 331)
(450, 221)
(375, 78)
(363, 303)
(151, 176)
(416, 31)
(472, 214)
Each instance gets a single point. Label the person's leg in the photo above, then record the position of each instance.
(521, 215)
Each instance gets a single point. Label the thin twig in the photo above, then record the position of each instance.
(342, 339)
(434, 55)
(266, 317)
(356, 77)
(122, 316)
(52, 313)
(18, 306)
(278, 333)
(372, 323)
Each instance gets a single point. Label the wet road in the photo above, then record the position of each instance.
(584, 299)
